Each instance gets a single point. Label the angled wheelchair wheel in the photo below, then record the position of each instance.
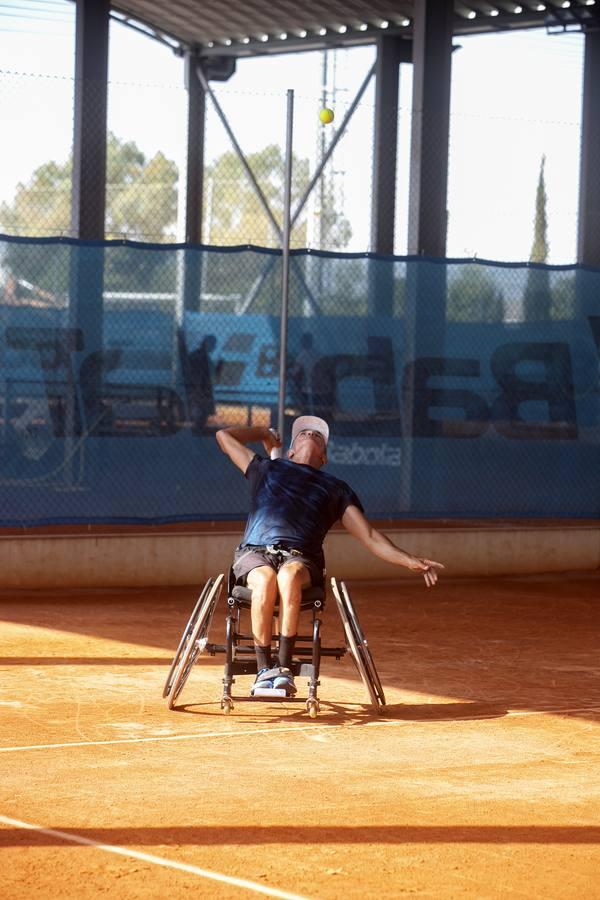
(186, 636)
(363, 644)
(357, 645)
(196, 639)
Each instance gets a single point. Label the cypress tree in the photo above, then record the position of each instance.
(536, 300)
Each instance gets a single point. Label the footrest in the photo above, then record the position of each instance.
(269, 692)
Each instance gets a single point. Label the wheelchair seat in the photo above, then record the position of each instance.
(312, 596)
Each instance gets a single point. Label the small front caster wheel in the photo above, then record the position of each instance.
(226, 706)
(312, 707)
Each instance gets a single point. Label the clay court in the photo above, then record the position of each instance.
(480, 779)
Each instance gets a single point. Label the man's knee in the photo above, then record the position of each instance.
(292, 576)
(262, 581)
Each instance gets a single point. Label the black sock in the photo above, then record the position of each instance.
(263, 657)
(286, 649)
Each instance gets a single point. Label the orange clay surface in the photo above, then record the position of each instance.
(481, 779)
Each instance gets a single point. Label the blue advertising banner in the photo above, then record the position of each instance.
(452, 388)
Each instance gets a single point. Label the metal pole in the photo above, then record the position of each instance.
(285, 260)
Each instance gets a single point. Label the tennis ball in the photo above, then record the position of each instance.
(326, 116)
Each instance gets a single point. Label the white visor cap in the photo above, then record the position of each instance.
(310, 423)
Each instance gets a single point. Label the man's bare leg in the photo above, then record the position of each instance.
(291, 578)
(262, 581)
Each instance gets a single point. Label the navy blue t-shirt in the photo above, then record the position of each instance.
(294, 504)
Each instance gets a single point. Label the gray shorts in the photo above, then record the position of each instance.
(275, 557)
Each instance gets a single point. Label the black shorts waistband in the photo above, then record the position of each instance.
(278, 547)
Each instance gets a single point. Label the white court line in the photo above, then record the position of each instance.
(174, 737)
(156, 860)
(279, 729)
(556, 712)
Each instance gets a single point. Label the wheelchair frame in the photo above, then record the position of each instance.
(240, 657)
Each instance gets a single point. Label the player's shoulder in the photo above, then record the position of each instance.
(256, 464)
(334, 481)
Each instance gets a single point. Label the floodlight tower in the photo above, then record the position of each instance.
(317, 230)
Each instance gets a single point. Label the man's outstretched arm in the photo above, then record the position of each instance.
(233, 441)
(355, 522)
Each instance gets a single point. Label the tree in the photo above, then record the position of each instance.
(563, 298)
(233, 214)
(473, 297)
(537, 299)
(141, 204)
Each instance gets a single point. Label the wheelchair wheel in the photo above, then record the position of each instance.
(363, 644)
(185, 637)
(357, 645)
(197, 640)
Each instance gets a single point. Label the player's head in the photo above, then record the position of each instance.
(310, 436)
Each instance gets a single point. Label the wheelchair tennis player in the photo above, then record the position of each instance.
(294, 504)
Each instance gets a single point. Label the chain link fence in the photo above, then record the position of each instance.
(495, 165)
(453, 388)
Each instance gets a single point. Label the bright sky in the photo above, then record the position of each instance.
(515, 97)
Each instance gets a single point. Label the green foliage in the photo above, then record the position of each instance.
(399, 297)
(233, 215)
(563, 298)
(537, 296)
(233, 212)
(336, 230)
(536, 299)
(473, 297)
(42, 207)
(141, 203)
(141, 196)
(539, 249)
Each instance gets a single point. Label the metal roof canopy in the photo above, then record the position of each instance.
(419, 31)
(243, 28)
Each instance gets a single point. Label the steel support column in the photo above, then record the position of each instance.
(588, 234)
(426, 288)
(192, 270)
(432, 52)
(391, 51)
(89, 135)
(88, 206)
(195, 151)
(588, 243)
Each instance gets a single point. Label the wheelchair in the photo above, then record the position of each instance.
(238, 649)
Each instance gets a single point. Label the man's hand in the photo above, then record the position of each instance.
(427, 568)
(271, 440)
(380, 545)
(233, 441)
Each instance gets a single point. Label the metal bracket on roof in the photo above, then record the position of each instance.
(217, 68)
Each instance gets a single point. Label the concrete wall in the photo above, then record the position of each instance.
(163, 557)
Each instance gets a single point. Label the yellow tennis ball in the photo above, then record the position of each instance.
(326, 116)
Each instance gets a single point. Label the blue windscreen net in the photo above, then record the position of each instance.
(453, 389)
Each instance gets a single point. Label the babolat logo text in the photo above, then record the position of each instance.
(356, 454)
